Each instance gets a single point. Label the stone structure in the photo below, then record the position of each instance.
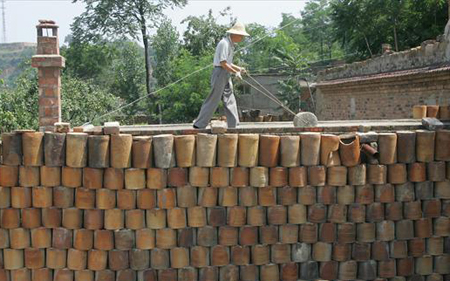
(388, 86)
(225, 207)
(49, 63)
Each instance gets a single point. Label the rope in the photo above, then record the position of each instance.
(184, 77)
(271, 97)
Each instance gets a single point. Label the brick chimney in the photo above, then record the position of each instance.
(49, 64)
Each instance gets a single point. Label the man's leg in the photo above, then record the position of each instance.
(219, 79)
(230, 105)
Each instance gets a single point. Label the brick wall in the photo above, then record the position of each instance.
(384, 96)
(224, 207)
(388, 86)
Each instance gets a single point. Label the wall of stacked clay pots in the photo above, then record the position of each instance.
(225, 207)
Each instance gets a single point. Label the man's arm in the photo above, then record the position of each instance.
(229, 67)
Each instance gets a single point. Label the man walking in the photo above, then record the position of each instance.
(221, 85)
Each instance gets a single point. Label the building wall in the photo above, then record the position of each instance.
(382, 98)
(388, 86)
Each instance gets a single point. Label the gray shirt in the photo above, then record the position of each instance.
(224, 51)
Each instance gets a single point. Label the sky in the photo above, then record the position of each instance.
(23, 15)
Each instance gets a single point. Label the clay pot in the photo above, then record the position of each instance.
(33, 148)
(425, 141)
(259, 176)
(206, 150)
(442, 152)
(54, 149)
(163, 151)
(329, 155)
(227, 150)
(290, 151)
(98, 151)
(357, 175)
(444, 112)
(185, 150)
(419, 111)
(310, 149)
(12, 149)
(76, 150)
(269, 150)
(433, 111)
(349, 151)
(406, 146)
(387, 146)
(121, 150)
(337, 176)
(142, 152)
(248, 150)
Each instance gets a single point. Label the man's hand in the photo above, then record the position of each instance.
(243, 70)
(238, 75)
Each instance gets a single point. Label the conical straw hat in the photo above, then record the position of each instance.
(239, 29)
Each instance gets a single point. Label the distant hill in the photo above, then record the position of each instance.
(12, 56)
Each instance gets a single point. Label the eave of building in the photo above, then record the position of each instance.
(416, 73)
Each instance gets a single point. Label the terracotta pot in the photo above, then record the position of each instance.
(425, 141)
(199, 176)
(114, 178)
(239, 177)
(337, 176)
(329, 155)
(98, 151)
(227, 150)
(54, 149)
(433, 111)
(436, 171)
(185, 150)
(310, 149)
(317, 175)
(50, 176)
(376, 174)
(163, 151)
(33, 148)
(397, 173)
(76, 150)
(269, 150)
(444, 112)
(298, 177)
(387, 146)
(442, 152)
(248, 150)
(12, 149)
(290, 151)
(259, 176)
(357, 175)
(417, 172)
(419, 111)
(206, 150)
(406, 146)
(349, 151)
(121, 150)
(301, 252)
(142, 152)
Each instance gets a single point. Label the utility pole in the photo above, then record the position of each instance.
(4, 21)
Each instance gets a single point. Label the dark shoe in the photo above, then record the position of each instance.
(195, 127)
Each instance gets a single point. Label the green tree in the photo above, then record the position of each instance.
(363, 26)
(122, 19)
(182, 101)
(19, 106)
(83, 102)
(203, 33)
(166, 44)
(115, 66)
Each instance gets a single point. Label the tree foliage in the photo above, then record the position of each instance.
(362, 26)
(122, 19)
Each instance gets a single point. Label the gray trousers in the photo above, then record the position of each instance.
(221, 88)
